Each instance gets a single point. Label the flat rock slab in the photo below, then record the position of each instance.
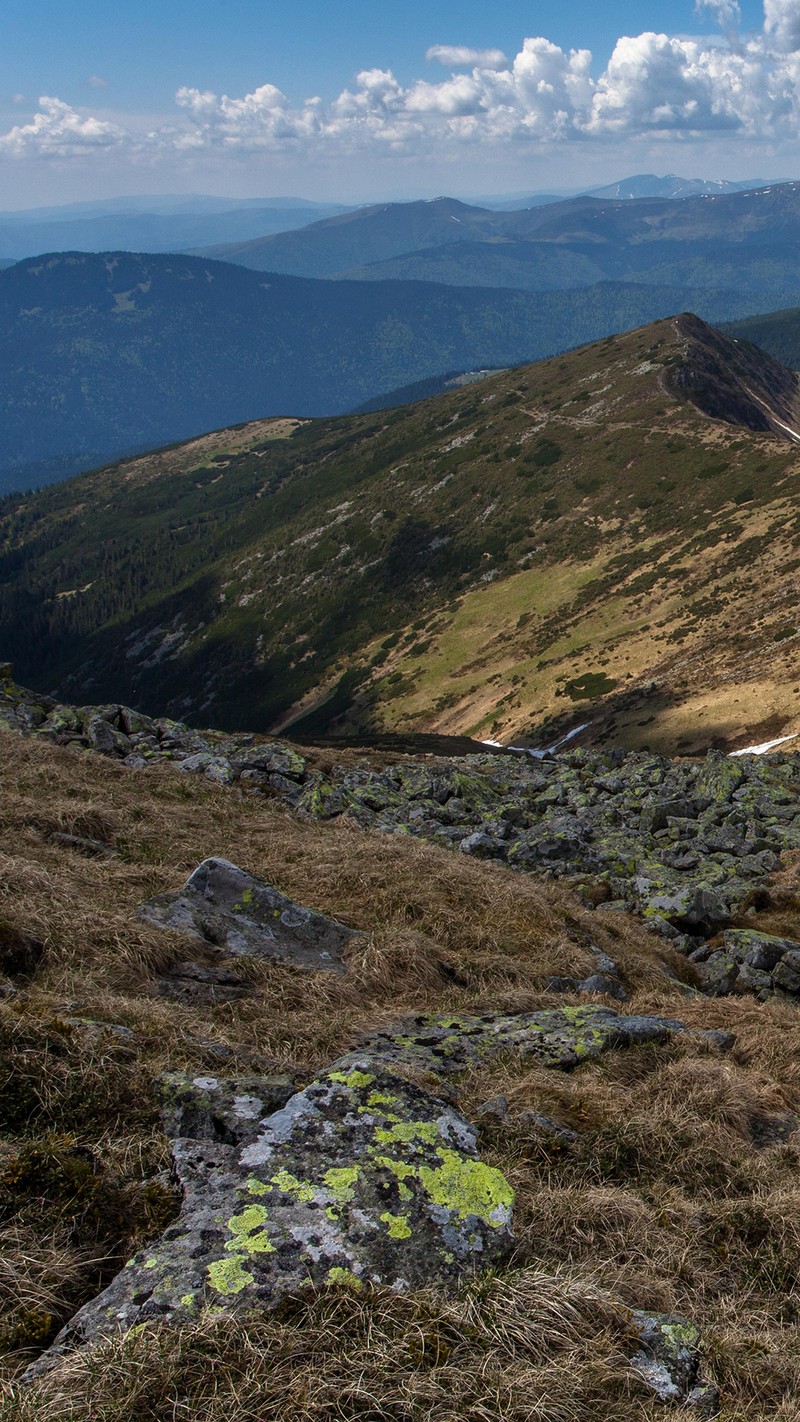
(562, 1038)
(244, 916)
(364, 1177)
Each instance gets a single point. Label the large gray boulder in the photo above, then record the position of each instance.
(244, 916)
(361, 1178)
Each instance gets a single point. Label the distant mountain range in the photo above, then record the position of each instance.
(605, 538)
(191, 222)
(555, 246)
(648, 185)
(168, 224)
(106, 354)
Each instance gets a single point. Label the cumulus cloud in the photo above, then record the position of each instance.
(726, 12)
(654, 84)
(59, 131)
(456, 56)
(782, 24)
(96, 81)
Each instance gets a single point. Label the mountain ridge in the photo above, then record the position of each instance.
(115, 352)
(498, 561)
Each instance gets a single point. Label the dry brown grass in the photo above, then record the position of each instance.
(663, 1201)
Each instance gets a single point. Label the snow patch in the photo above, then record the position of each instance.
(766, 745)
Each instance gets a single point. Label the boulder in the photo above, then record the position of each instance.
(363, 1178)
(759, 950)
(719, 974)
(243, 916)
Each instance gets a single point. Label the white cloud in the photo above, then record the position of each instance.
(456, 56)
(726, 12)
(782, 23)
(655, 86)
(59, 131)
(96, 81)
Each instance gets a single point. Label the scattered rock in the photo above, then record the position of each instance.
(245, 917)
(669, 1359)
(683, 843)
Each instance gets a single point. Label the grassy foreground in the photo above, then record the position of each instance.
(664, 1201)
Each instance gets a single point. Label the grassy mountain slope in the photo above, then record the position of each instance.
(105, 354)
(586, 540)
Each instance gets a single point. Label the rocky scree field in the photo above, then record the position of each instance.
(514, 1151)
(500, 561)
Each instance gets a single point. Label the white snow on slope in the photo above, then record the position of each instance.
(766, 746)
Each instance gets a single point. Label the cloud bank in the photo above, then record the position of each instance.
(729, 84)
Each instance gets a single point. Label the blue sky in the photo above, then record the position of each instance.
(418, 98)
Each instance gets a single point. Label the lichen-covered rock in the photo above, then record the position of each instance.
(695, 908)
(719, 974)
(557, 1037)
(361, 1178)
(787, 973)
(213, 767)
(244, 916)
(760, 950)
(668, 1359)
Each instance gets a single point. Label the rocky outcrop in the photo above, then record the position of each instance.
(683, 843)
(364, 1177)
(241, 916)
(750, 962)
(735, 381)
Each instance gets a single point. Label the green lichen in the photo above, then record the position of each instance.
(397, 1225)
(302, 1190)
(407, 1132)
(249, 1235)
(355, 1080)
(341, 1182)
(468, 1188)
(257, 1187)
(381, 1098)
(400, 1168)
(228, 1276)
(150, 1264)
(345, 1278)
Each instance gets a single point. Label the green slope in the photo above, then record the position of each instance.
(492, 562)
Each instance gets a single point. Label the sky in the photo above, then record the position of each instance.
(366, 101)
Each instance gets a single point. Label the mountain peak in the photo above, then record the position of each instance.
(734, 381)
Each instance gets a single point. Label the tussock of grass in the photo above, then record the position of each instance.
(662, 1201)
